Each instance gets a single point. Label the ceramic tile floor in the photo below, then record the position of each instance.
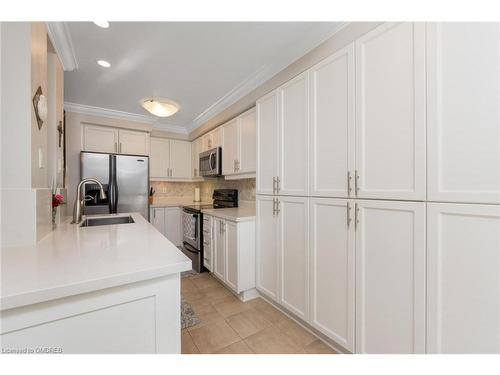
(229, 326)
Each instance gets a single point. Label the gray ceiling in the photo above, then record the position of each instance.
(193, 63)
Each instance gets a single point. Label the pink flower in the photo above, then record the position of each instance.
(59, 197)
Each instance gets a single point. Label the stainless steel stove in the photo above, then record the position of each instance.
(192, 224)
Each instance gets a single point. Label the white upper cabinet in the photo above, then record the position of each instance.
(293, 136)
(100, 138)
(133, 142)
(293, 214)
(159, 160)
(463, 287)
(390, 112)
(247, 142)
(332, 125)
(267, 242)
(463, 86)
(332, 269)
(238, 145)
(211, 140)
(195, 152)
(267, 143)
(170, 159)
(113, 140)
(180, 159)
(230, 146)
(390, 277)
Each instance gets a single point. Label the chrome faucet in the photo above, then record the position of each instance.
(78, 205)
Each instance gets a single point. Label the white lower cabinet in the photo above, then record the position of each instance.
(168, 222)
(463, 284)
(208, 241)
(266, 246)
(390, 277)
(234, 254)
(231, 250)
(219, 249)
(332, 269)
(283, 251)
(293, 216)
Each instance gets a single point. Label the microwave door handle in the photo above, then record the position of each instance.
(212, 161)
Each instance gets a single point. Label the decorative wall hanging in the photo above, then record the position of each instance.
(40, 106)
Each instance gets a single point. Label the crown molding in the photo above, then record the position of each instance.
(255, 80)
(114, 114)
(61, 40)
(105, 112)
(170, 128)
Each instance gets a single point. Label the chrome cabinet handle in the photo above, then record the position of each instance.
(349, 178)
(348, 214)
(356, 216)
(277, 206)
(274, 206)
(278, 187)
(274, 185)
(356, 181)
(120, 147)
(116, 146)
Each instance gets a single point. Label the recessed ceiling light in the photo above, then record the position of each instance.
(103, 24)
(160, 107)
(104, 63)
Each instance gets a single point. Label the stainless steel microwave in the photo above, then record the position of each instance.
(211, 163)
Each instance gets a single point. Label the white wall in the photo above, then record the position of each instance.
(25, 187)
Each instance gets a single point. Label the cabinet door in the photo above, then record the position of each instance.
(390, 112)
(230, 146)
(206, 142)
(294, 254)
(463, 288)
(220, 249)
(100, 139)
(332, 269)
(332, 125)
(267, 143)
(463, 97)
(216, 137)
(294, 136)
(390, 277)
(266, 247)
(247, 139)
(133, 142)
(195, 162)
(231, 278)
(159, 159)
(208, 241)
(180, 159)
(173, 230)
(158, 219)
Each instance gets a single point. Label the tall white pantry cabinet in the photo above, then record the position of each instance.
(378, 191)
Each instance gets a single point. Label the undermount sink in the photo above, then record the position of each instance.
(92, 222)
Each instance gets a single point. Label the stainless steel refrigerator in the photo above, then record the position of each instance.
(125, 179)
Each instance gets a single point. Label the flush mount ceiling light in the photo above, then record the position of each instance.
(160, 107)
(103, 24)
(104, 63)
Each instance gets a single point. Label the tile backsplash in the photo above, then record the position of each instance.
(246, 188)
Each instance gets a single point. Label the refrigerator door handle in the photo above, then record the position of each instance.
(113, 186)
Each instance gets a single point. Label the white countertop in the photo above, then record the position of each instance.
(245, 212)
(72, 260)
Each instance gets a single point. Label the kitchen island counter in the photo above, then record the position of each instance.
(116, 288)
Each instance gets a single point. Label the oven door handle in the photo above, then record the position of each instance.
(187, 247)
